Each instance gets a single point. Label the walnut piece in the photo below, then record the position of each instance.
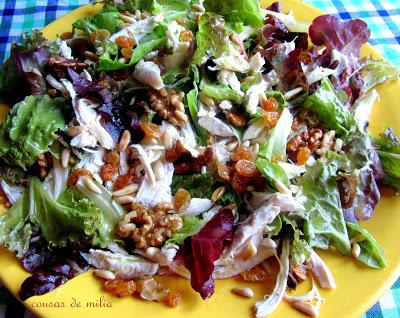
(149, 226)
(168, 104)
(307, 139)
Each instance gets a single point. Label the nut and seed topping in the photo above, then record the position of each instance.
(149, 226)
(168, 104)
(244, 292)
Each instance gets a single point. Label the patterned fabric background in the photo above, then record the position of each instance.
(383, 18)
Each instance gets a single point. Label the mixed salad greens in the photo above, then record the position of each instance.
(207, 139)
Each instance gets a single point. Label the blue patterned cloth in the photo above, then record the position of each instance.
(383, 18)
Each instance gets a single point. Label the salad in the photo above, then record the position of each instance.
(206, 139)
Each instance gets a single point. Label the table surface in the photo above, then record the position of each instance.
(383, 18)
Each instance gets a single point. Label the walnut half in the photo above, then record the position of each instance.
(149, 226)
(168, 104)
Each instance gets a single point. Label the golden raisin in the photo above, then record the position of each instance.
(127, 52)
(254, 275)
(112, 157)
(246, 168)
(125, 42)
(238, 120)
(223, 171)
(100, 35)
(244, 153)
(107, 172)
(66, 36)
(173, 299)
(122, 181)
(186, 35)
(181, 199)
(120, 287)
(271, 118)
(239, 183)
(76, 174)
(302, 155)
(270, 104)
(150, 130)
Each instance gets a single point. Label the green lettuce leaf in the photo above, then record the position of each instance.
(324, 225)
(375, 72)
(191, 102)
(150, 6)
(191, 225)
(220, 92)
(272, 171)
(15, 231)
(202, 185)
(388, 150)
(66, 220)
(30, 128)
(107, 64)
(274, 146)
(246, 11)
(212, 38)
(107, 19)
(371, 253)
(331, 112)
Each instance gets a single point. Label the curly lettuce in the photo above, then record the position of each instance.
(69, 219)
(30, 128)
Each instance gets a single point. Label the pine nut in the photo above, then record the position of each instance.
(206, 100)
(306, 308)
(91, 185)
(65, 155)
(232, 146)
(152, 251)
(282, 188)
(129, 189)
(124, 141)
(218, 193)
(198, 8)
(355, 250)
(246, 143)
(104, 273)
(138, 15)
(125, 199)
(126, 18)
(166, 139)
(244, 292)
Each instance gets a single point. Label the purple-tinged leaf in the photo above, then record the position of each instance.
(30, 67)
(346, 37)
(203, 249)
(83, 86)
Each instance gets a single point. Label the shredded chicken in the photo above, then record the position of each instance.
(123, 266)
(320, 271)
(148, 73)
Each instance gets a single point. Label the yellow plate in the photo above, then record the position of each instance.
(358, 287)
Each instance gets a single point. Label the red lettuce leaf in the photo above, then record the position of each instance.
(30, 66)
(51, 268)
(203, 249)
(287, 66)
(118, 115)
(275, 31)
(83, 86)
(276, 7)
(346, 37)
